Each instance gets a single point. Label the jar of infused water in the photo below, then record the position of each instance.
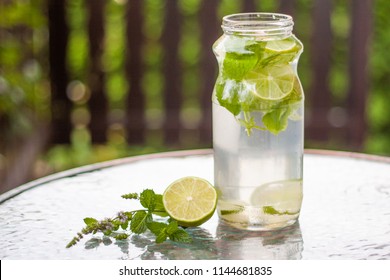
(258, 122)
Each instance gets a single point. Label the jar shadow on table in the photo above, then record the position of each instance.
(225, 243)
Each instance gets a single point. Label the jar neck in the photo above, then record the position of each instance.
(258, 24)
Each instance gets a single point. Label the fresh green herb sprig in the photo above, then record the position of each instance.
(137, 221)
(243, 68)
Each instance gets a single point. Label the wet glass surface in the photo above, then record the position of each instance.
(345, 214)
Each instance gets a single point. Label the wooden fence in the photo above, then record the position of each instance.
(325, 120)
(319, 97)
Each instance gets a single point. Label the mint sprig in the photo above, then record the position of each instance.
(136, 222)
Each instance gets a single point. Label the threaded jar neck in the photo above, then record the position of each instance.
(258, 24)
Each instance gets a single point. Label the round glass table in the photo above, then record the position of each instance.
(345, 212)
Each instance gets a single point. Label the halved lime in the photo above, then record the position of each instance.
(191, 201)
(273, 82)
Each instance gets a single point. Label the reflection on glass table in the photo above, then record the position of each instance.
(345, 213)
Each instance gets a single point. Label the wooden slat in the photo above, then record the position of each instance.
(248, 6)
(319, 95)
(58, 40)
(135, 103)
(209, 32)
(361, 17)
(22, 157)
(172, 71)
(287, 7)
(98, 103)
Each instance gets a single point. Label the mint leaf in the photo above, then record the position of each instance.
(180, 235)
(159, 230)
(159, 202)
(228, 95)
(159, 208)
(139, 221)
(236, 65)
(277, 120)
(90, 221)
(172, 227)
(161, 237)
(148, 199)
(156, 227)
(175, 233)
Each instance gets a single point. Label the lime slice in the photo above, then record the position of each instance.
(272, 82)
(282, 197)
(281, 51)
(191, 201)
(280, 46)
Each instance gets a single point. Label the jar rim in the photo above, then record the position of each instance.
(258, 24)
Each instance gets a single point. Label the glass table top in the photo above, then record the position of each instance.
(345, 212)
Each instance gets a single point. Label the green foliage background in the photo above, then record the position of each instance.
(25, 90)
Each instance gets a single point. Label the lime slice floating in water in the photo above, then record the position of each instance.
(272, 82)
(191, 201)
(281, 51)
(281, 197)
(280, 46)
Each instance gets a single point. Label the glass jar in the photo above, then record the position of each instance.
(258, 122)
